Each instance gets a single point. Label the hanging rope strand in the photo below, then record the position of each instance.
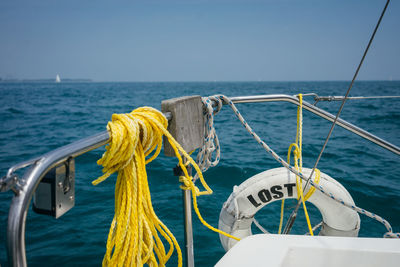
(298, 164)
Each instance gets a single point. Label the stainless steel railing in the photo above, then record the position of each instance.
(322, 113)
(25, 187)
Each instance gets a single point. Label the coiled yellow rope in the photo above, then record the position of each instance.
(134, 236)
(298, 164)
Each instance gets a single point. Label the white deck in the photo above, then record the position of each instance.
(296, 250)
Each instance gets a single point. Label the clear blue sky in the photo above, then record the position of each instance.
(196, 40)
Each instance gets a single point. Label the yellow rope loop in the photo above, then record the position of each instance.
(136, 231)
(189, 185)
(298, 164)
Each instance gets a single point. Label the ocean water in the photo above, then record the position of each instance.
(38, 117)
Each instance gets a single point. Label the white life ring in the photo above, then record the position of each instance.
(264, 188)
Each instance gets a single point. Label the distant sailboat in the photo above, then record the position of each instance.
(58, 78)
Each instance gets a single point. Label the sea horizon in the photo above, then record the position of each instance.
(78, 80)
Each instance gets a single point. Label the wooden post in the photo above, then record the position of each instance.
(186, 124)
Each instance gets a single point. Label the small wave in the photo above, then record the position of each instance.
(14, 111)
(382, 118)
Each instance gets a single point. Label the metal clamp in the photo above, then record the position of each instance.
(8, 182)
(11, 181)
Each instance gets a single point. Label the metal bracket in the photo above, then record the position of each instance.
(11, 181)
(8, 183)
(55, 194)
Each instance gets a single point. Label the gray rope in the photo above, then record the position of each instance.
(210, 142)
(259, 226)
(315, 228)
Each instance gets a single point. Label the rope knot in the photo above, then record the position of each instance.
(187, 184)
(126, 132)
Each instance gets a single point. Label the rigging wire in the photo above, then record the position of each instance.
(293, 216)
(318, 98)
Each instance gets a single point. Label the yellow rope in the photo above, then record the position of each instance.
(281, 219)
(189, 185)
(134, 236)
(298, 163)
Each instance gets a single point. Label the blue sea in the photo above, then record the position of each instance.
(38, 117)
